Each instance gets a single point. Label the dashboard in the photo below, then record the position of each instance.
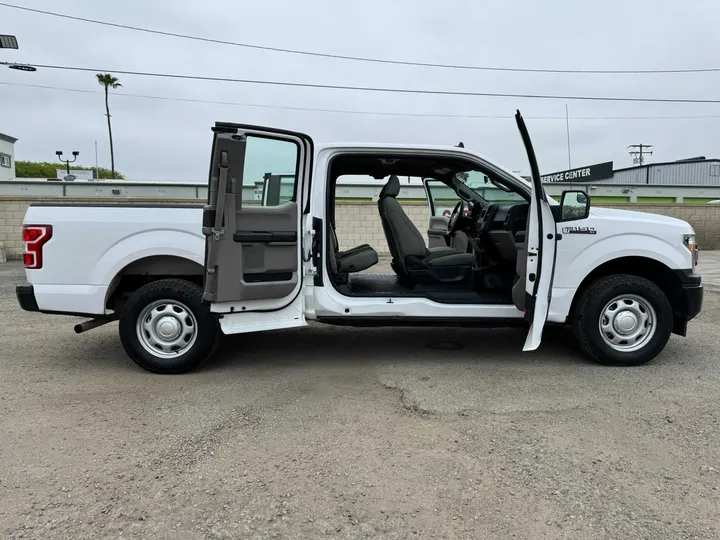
(496, 228)
(506, 216)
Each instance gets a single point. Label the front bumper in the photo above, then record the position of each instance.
(692, 292)
(26, 297)
(693, 300)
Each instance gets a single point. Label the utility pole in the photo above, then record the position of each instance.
(638, 151)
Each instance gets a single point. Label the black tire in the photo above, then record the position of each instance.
(186, 294)
(585, 324)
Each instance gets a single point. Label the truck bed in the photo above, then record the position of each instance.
(91, 244)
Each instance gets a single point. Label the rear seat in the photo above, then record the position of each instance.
(356, 259)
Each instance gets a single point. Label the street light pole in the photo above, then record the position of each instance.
(8, 42)
(67, 162)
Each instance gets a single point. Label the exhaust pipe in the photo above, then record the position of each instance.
(93, 323)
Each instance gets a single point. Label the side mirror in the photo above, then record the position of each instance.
(574, 205)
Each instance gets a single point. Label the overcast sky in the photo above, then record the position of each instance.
(170, 140)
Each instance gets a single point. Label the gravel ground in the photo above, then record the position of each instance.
(355, 433)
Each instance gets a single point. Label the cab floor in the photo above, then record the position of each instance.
(388, 286)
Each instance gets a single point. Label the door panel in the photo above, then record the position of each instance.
(441, 199)
(268, 253)
(437, 232)
(540, 255)
(252, 235)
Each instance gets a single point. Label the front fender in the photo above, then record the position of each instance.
(577, 264)
(132, 248)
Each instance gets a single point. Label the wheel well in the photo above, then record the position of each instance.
(148, 269)
(643, 267)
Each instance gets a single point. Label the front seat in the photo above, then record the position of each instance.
(412, 261)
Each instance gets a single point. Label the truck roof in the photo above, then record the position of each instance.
(410, 146)
(390, 146)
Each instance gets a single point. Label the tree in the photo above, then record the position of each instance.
(109, 81)
(46, 169)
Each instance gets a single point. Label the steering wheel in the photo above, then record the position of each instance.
(458, 211)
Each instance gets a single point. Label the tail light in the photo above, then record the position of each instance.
(34, 238)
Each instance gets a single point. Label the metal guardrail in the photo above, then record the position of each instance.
(121, 189)
(106, 190)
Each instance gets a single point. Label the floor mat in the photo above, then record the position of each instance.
(386, 285)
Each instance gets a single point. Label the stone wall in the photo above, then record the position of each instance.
(359, 223)
(11, 217)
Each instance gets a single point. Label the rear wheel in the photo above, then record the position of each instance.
(165, 328)
(623, 320)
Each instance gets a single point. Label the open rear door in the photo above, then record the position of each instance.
(541, 243)
(253, 267)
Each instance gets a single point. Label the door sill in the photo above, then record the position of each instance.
(254, 321)
(382, 321)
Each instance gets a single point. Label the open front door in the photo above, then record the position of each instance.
(253, 268)
(540, 237)
(442, 200)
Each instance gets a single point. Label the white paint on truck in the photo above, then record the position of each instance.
(91, 245)
(174, 275)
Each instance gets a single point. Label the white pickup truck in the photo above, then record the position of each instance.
(175, 277)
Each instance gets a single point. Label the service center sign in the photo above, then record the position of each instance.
(581, 174)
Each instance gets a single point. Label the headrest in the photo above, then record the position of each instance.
(392, 188)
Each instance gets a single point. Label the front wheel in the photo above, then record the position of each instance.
(165, 328)
(623, 320)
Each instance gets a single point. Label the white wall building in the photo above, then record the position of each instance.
(7, 157)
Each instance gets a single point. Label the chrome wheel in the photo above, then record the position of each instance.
(166, 328)
(627, 323)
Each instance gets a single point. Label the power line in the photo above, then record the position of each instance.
(346, 111)
(357, 58)
(373, 89)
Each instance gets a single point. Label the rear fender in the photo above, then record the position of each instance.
(171, 242)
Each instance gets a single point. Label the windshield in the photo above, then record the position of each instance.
(481, 184)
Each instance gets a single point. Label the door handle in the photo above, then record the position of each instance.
(264, 237)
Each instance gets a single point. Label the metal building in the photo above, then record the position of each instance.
(7, 157)
(698, 172)
(687, 172)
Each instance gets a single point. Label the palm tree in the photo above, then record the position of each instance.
(109, 81)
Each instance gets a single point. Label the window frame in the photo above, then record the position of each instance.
(298, 152)
(431, 199)
(3, 156)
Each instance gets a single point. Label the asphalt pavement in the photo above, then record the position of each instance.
(329, 432)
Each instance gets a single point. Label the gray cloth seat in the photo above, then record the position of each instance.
(355, 259)
(412, 260)
(448, 257)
